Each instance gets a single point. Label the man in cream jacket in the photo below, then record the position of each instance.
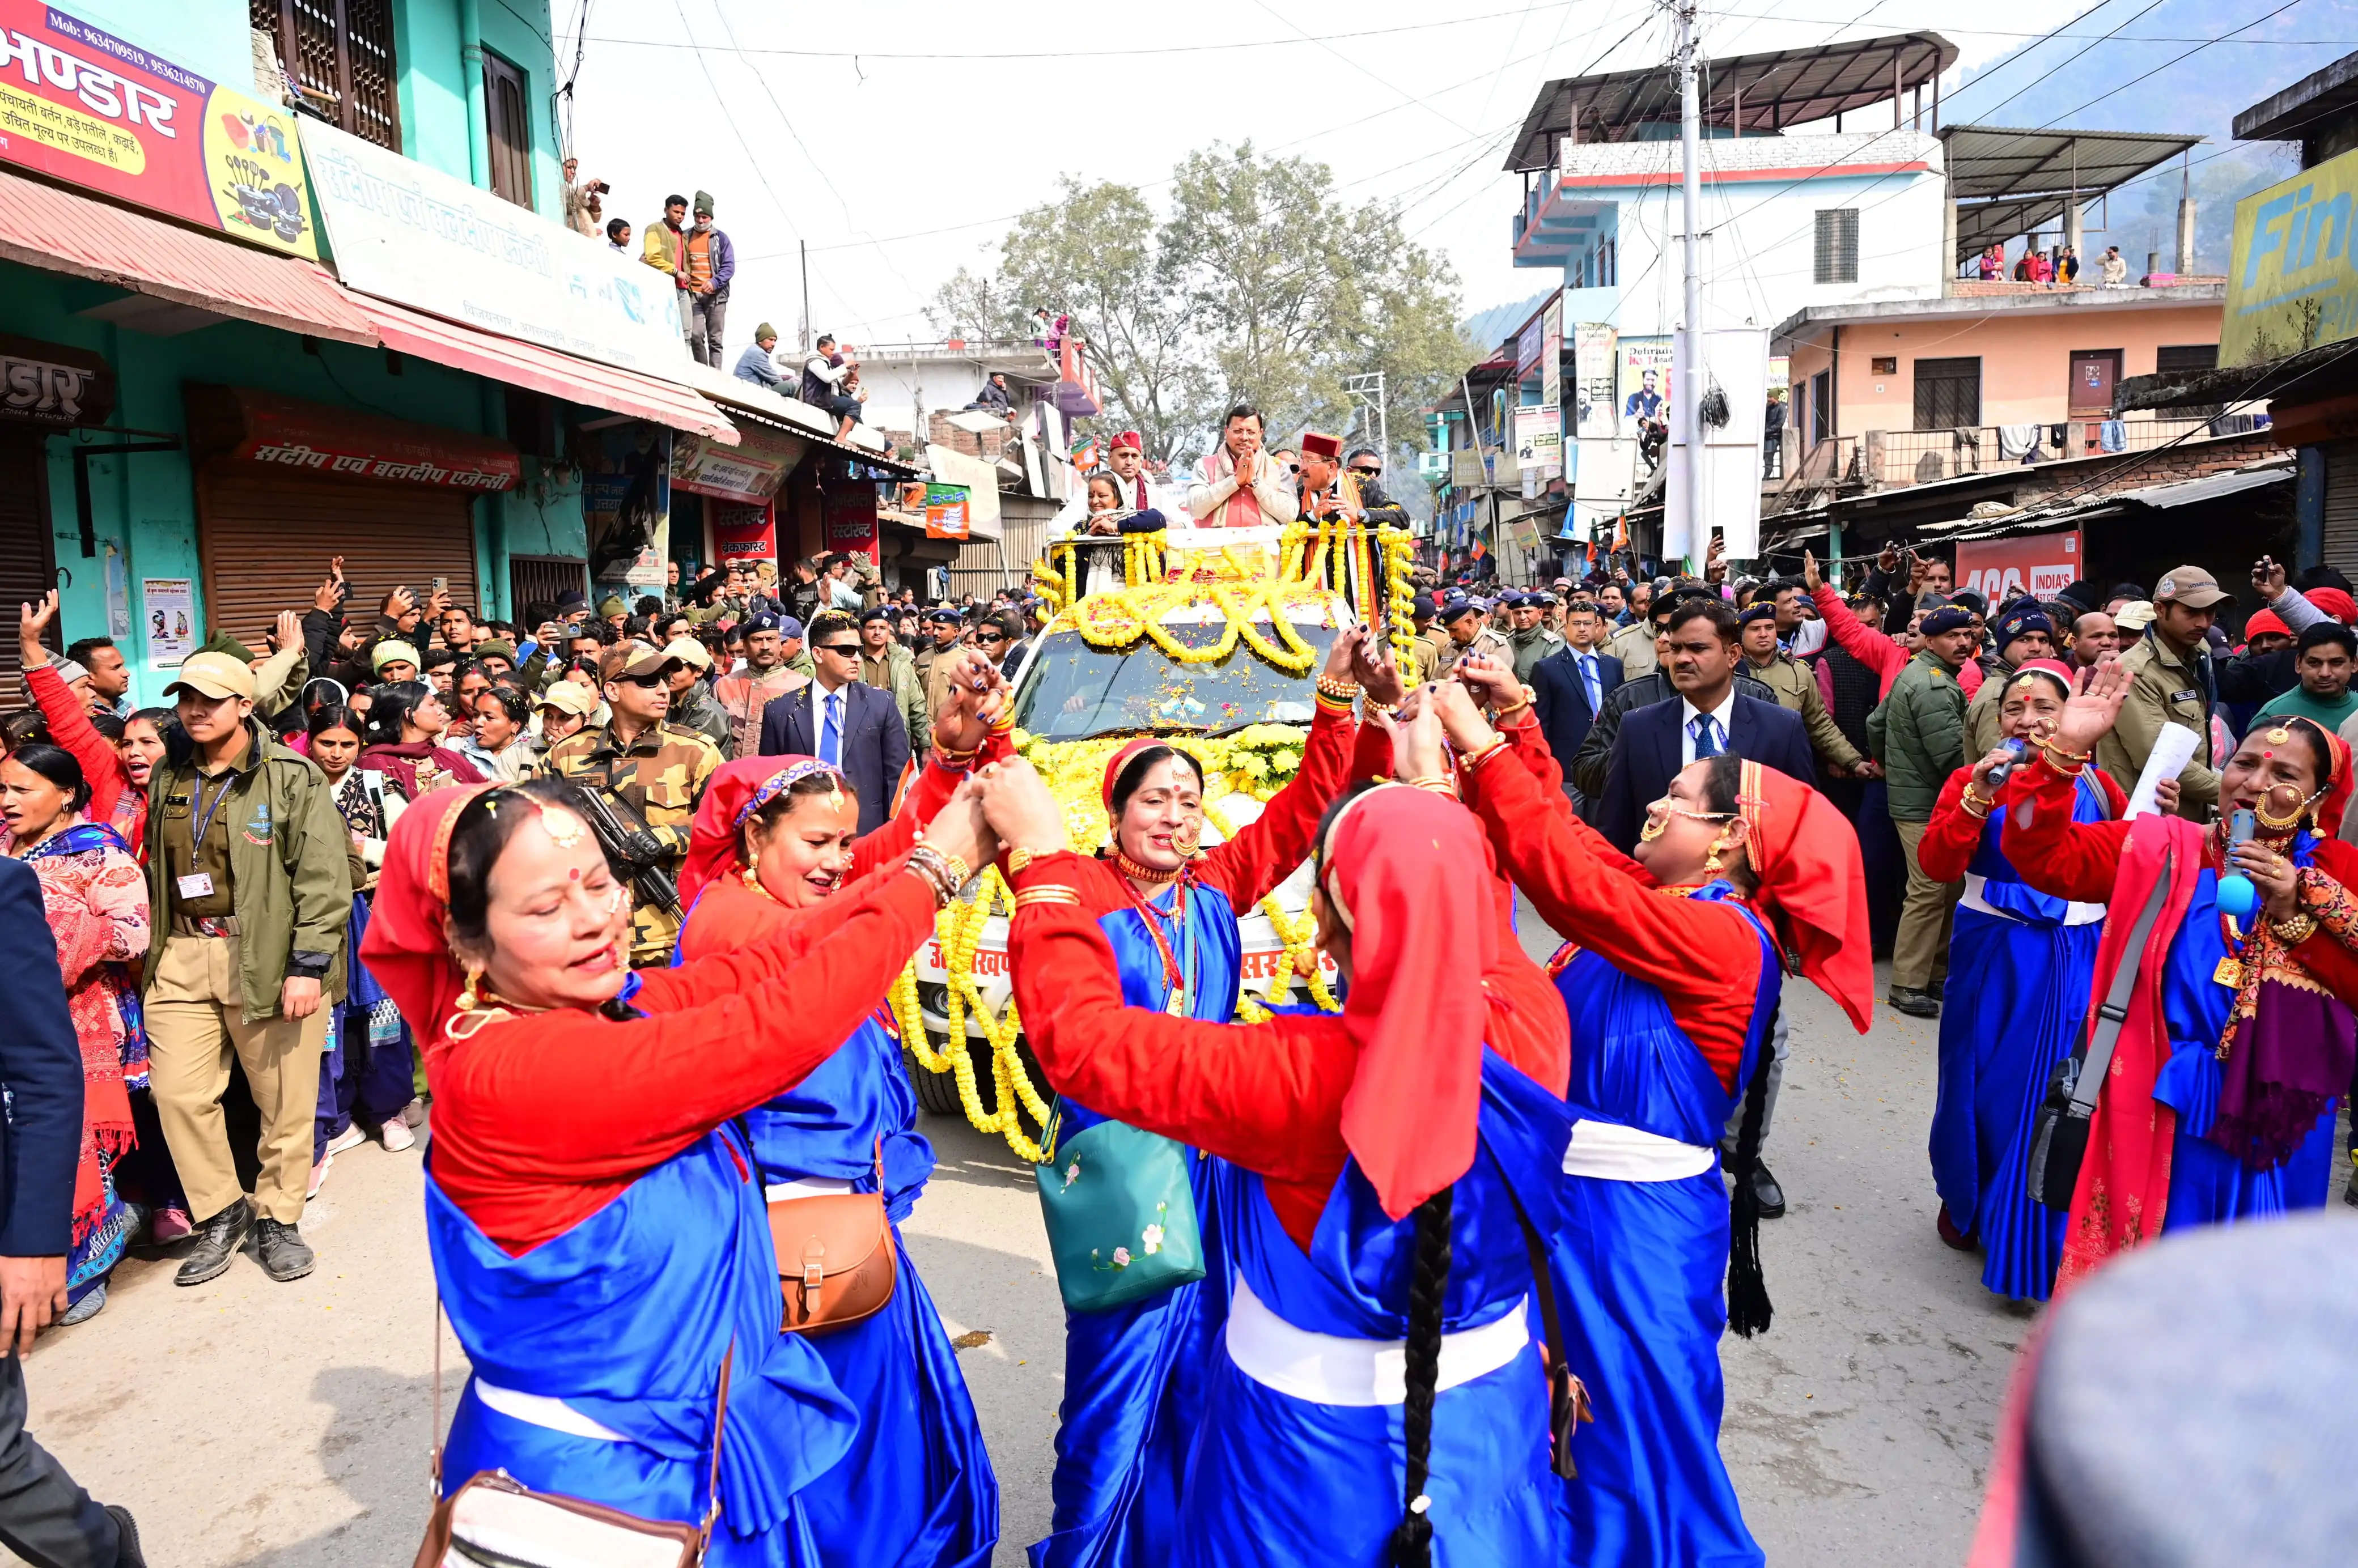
(1238, 485)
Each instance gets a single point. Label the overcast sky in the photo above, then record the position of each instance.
(896, 169)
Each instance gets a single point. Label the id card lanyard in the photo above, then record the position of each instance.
(204, 824)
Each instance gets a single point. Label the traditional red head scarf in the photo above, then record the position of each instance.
(1122, 759)
(2333, 790)
(404, 948)
(1804, 853)
(2334, 602)
(1396, 863)
(734, 792)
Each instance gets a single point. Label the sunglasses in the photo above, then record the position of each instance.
(1367, 473)
(990, 636)
(643, 681)
(841, 650)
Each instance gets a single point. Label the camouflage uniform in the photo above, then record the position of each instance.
(660, 777)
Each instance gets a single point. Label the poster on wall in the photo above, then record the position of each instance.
(171, 603)
(626, 502)
(2041, 564)
(1552, 353)
(1644, 373)
(946, 512)
(98, 113)
(749, 472)
(1539, 440)
(742, 533)
(1597, 415)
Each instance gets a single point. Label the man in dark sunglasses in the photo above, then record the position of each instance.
(999, 639)
(1366, 469)
(652, 770)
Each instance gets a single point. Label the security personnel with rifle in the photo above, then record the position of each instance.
(647, 776)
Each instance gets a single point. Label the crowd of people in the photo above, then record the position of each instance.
(616, 893)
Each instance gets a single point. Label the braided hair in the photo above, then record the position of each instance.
(1411, 1542)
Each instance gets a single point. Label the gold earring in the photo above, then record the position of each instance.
(468, 999)
(1719, 846)
(753, 873)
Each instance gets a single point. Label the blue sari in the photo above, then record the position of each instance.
(2207, 1185)
(1641, 1264)
(1284, 1480)
(2019, 970)
(916, 1487)
(625, 1319)
(1134, 1377)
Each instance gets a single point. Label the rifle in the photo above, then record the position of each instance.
(627, 840)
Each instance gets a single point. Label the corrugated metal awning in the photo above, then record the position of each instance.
(57, 231)
(610, 388)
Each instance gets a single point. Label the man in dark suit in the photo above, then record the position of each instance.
(1708, 717)
(841, 720)
(1569, 687)
(44, 1517)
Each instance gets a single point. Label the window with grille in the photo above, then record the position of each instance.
(1948, 394)
(511, 130)
(1837, 249)
(2184, 357)
(338, 55)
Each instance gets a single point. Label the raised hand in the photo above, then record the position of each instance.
(960, 829)
(1018, 807)
(1418, 746)
(2089, 713)
(1373, 668)
(288, 633)
(1490, 678)
(32, 620)
(1460, 720)
(2268, 578)
(1810, 578)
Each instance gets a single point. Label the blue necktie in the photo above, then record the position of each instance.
(830, 731)
(1588, 679)
(1706, 731)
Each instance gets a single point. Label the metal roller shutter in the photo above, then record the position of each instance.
(266, 539)
(27, 568)
(2339, 537)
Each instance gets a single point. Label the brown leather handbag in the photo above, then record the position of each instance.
(496, 1521)
(836, 1263)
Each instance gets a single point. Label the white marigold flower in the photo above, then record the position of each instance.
(1152, 1237)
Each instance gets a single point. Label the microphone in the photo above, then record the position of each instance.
(2021, 748)
(2237, 897)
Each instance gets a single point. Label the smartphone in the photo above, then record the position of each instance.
(442, 585)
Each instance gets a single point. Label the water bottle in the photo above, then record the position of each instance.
(2020, 749)
(2237, 897)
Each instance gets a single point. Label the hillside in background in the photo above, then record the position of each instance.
(2192, 88)
(1487, 327)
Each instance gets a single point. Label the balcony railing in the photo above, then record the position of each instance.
(1899, 459)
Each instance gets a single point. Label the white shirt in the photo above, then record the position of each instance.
(1688, 712)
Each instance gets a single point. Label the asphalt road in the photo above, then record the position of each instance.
(286, 1426)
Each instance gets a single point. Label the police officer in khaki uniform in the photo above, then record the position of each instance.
(655, 768)
(2171, 682)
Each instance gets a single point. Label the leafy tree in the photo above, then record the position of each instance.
(1260, 286)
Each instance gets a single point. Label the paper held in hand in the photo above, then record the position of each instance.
(2173, 749)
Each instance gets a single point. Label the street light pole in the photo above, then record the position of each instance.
(1686, 400)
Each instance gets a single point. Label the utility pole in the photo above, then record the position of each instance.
(1686, 356)
(1368, 389)
(804, 247)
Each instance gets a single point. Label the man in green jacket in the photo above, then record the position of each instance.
(251, 894)
(1530, 638)
(884, 663)
(1919, 736)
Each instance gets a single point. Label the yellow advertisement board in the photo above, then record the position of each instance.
(2291, 281)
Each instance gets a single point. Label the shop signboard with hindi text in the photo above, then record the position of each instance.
(849, 514)
(2041, 564)
(247, 425)
(749, 472)
(100, 114)
(744, 533)
(419, 237)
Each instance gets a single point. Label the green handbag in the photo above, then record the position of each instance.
(1121, 1212)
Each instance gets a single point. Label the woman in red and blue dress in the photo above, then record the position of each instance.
(596, 1223)
(2218, 1103)
(1133, 1375)
(1672, 977)
(773, 851)
(2016, 1000)
(1369, 1396)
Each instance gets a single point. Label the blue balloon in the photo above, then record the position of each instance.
(2237, 897)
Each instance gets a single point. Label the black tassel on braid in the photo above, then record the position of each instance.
(1412, 1545)
(1748, 1310)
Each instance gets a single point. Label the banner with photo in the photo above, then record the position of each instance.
(626, 502)
(1596, 416)
(1644, 375)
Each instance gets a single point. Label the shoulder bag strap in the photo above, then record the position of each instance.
(434, 1498)
(2104, 1029)
(719, 1421)
(1567, 1399)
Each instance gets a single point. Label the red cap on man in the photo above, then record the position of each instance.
(1129, 438)
(1327, 447)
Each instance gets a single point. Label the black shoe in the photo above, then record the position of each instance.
(126, 1552)
(1767, 1194)
(284, 1253)
(2350, 1192)
(217, 1241)
(1913, 1002)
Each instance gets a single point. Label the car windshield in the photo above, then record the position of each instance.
(1074, 690)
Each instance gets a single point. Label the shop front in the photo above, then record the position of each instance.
(45, 389)
(283, 485)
